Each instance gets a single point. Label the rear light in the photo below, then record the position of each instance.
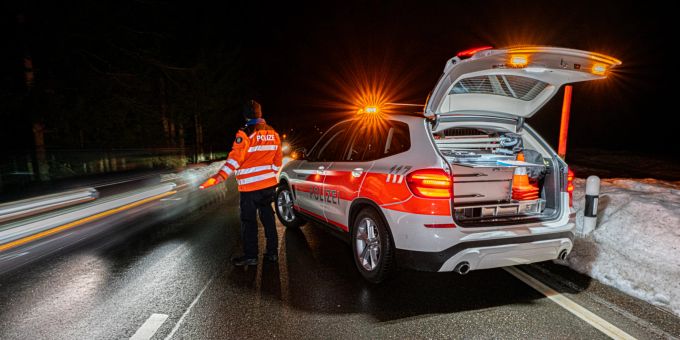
(469, 53)
(430, 183)
(440, 225)
(570, 187)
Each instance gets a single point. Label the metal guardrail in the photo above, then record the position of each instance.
(37, 205)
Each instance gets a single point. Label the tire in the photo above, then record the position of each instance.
(283, 205)
(373, 254)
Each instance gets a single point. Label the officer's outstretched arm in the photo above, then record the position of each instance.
(234, 160)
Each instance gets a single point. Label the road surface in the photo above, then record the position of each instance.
(161, 271)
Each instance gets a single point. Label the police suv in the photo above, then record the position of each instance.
(465, 185)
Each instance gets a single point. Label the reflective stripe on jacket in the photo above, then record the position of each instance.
(254, 159)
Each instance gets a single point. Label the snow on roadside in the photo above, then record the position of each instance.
(635, 246)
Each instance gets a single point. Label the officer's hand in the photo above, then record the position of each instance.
(214, 180)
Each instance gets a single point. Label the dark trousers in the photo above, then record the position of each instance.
(251, 203)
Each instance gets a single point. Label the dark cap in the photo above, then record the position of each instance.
(252, 109)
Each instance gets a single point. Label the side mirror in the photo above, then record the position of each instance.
(300, 153)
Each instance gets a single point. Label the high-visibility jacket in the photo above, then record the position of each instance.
(255, 158)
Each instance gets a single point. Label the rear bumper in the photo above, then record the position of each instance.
(491, 253)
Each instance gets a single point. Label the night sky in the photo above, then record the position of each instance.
(98, 65)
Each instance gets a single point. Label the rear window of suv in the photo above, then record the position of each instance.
(518, 87)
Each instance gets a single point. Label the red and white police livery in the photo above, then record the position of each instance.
(465, 185)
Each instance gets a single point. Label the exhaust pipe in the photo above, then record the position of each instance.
(462, 268)
(563, 255)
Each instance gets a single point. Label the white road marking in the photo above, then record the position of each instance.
(149, 327)
(571, 306)
(186, 312)
(660, 333)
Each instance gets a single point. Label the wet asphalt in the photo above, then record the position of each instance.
(103, 280)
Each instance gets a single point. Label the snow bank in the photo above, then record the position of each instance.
(635, 246)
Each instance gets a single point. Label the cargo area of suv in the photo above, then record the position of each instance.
(499, 175)
(503, 172)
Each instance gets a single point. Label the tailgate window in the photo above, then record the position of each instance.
(502, 85)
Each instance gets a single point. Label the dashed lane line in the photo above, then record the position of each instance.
(571, 306)
(650, 327)
(149, 327)
(186, 312)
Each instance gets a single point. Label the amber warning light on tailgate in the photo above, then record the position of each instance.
(601, 64)
(519, 60)
(430, 183)
(599, 69)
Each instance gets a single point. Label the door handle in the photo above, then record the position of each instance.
(320, 169)
(357, 172)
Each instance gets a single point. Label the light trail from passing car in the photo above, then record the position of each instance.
(55, 230)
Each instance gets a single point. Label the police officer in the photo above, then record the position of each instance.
(254, 159)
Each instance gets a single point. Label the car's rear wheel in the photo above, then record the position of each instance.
(372, 246)
(284, 207)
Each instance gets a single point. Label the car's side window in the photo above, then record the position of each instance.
(332, 145)
(378, 140)
(374, 141)
(362, 141)
(398, 139)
